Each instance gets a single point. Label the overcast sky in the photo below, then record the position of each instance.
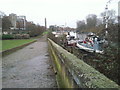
(57, 12)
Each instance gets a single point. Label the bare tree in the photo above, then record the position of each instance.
(99, 22)
(2, 14)
(34, 30)
(81, 26)
(6, 23)
(91, 20)
(111, 16)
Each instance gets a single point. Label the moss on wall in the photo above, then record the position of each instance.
(62, 78)
(84, 75)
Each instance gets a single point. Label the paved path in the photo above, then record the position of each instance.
(29, 67)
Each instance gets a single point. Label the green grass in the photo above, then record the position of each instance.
(8, 44)
(0, 45)
(46, 32)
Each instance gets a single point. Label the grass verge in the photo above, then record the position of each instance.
(9, 44)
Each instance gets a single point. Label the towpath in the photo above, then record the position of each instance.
(29, 67)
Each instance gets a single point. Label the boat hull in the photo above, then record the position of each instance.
(88, 49)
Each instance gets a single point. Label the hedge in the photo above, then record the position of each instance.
(7, 36)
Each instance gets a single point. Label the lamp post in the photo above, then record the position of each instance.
(106, 18)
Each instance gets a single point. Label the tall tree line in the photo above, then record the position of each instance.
(92, 21)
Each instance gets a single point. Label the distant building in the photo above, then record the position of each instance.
(18, 22)
(21, 22)
(52, 27)
(13, 19)
(29, 23)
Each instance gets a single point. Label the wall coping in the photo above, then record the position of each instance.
(90, 76)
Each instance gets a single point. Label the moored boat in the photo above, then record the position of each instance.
(91, 44)
(88, 47)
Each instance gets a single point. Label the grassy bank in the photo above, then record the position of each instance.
(8, 44)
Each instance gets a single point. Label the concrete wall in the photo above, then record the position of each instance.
(72, 72)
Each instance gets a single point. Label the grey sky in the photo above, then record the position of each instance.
(57, 12)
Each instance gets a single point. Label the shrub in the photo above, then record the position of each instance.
(21, 36)
(7, 36)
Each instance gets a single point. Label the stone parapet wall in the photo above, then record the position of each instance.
(72, 72)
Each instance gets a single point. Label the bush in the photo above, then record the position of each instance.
(7, 36)
(21, 36)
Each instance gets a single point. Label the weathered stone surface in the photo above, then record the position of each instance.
(84, 75)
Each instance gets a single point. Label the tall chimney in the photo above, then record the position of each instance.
(45, 24)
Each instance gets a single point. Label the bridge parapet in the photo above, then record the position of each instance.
(75, 73)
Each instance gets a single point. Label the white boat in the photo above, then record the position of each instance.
(88, 47)
(71, 43)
